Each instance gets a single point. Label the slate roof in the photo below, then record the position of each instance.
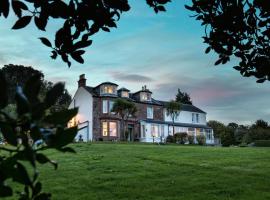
(184, 107)
(177, 124)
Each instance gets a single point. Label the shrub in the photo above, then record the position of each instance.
(262, 143)
(170, 139)
(201, 139)
(191, 139)
(227, 137)
(180, 137)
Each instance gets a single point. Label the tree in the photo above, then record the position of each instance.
(18, 75)
(183, 97)
(238, 29)
(23, 130)
(82, 19)
(260, 124)
(125, 109)
(218, 127)
(173, 109)
(227, 137)
(233, 125)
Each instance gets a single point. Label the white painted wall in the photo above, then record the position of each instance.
(84, 100)
(186, 117)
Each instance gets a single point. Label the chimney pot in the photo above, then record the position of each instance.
(82, 81)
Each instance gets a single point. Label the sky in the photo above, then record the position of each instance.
(164, 52)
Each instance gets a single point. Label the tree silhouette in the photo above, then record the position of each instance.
(183, 97)
(237, 28)
(173, 109)
(82, 19)
(125, 109)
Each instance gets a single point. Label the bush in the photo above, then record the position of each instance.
(259, 134)
(201, 139)
(262, 143)
(227, 137)
(191, 139)
(180, 138)
(170, 139)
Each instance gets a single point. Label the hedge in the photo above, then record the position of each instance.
(262, 143)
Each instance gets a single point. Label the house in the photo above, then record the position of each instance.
(97, 122)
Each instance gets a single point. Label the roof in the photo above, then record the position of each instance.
(188, 125)
(123, 89)
(106, 83)
(146, 90)
(186, 107)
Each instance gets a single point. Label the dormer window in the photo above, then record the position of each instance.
(108, 89)
(145, 96)
(125, 94)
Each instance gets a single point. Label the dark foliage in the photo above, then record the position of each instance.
(201, 139)
(183, 97)
(227, 137)
(181, 137)
(237, 29)
(262, 143)
(82, 19)
(19, 75)
(260, 124)
(31, 124)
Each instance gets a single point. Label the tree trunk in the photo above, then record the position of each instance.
(173, 126)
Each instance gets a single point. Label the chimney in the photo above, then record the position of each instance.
(82, 81)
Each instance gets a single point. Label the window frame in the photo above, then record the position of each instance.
(150, 116)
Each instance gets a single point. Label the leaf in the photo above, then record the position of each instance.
(41, 23)
(76, 55)
(3, 91)
(218, 61)
(189, 8)
(4, 7)
(63, 137)
(106, 29)
(208, 50)
(18, 6)
(9, 134)
(37, 188)
(53, 94)
(5, 191)
(22, 22)
(21, 175)
(62, 117)
(261, 80)
(42, 159)
(46, 42)
(82, 44)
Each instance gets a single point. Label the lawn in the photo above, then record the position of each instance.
(139, 171)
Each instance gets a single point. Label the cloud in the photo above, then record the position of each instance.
(130, 77)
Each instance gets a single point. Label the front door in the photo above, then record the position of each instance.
(130, 136)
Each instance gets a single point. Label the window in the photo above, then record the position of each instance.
(162, 130)
(111, 103)
(105, 106)
(197, 118)
(193, 117)
(143, 131)
(154, 130)
(208, 134)
(125, 94)
(108, 89)
(104, 128)
(113, 129)
(109, 129)
(145, 96)
(150, 112)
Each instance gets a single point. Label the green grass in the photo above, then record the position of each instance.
(139, 171)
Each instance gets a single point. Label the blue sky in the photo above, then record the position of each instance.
(163, 51)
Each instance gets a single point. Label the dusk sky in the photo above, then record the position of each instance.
(163, 51)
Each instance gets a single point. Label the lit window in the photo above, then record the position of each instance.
(150, 112)
(145, 96)
(125, 94)
(104, 128)
(113, 129)
(108, 89)
(105, 106)
(154, 131)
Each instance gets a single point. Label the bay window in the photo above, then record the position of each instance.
(109, 128)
